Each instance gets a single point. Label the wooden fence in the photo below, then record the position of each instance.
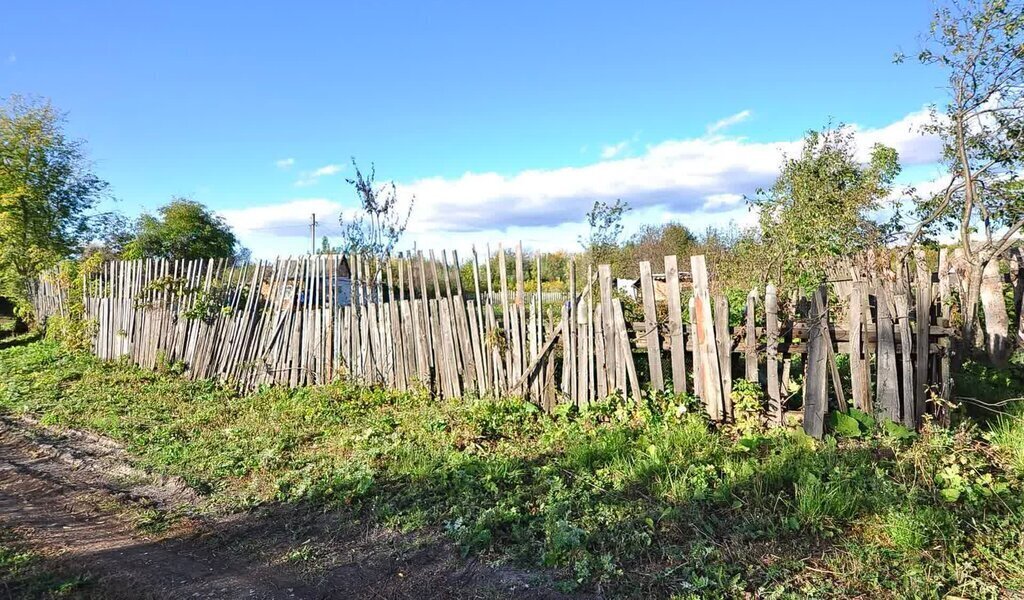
(408, 323)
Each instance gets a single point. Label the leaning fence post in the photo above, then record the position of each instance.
(723, 337)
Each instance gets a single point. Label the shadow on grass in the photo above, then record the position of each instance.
(281, 551)
(21, 339)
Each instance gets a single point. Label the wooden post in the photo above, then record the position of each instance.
(652, 338)
(600, 355)
(571, 343)
(815, 392)
(486, 368)
(750, 351)
(771, 311)
(906, 346)
(923, 307)
(590, 352)
(677, 344)
(604, 274)
(833, 368)
(858, 354)
(723, 337)
(695, 352)
(704, 340)
(506, 316)
(520, 324)
(944, 292)
(887, 380)
(626, 354)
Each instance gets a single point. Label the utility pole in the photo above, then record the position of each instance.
(312, 234)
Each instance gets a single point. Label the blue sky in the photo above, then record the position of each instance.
(506, 121)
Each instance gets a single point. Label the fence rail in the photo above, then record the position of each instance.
(407, 322)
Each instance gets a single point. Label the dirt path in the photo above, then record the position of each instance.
(79, 498)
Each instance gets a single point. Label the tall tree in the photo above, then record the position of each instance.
(47, 189)
(979, 44)
(182, 229)
(604, 221)
(820, 206)
(381, 220)
(652, 243)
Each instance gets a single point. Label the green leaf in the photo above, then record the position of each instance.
(950, 494)
(896, 431)
(750, 442)
(844, 425)
(867, 421)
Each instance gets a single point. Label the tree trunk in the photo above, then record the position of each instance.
(997, 322)
(971, 290)
(1017, 272)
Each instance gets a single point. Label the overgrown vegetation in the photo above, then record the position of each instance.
(819, 208)
(47, 190)
(634, 499)
(182, 229)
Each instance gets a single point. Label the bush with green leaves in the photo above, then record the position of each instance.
(748, 407)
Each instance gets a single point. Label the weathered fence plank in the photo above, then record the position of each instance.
(815, 391)
(750, 348)
(651, 326)
(887, 380)
(922, 322)
(858, 356)
(677, 344)
(771, 310)
(287, 322)
(723, 340)
(907, 391)
(706, 348)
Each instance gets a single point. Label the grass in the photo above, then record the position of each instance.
(635, 499)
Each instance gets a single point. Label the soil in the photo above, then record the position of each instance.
(79, 500)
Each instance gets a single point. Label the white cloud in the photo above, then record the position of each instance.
(613, 150)
(678, 175)
(699, 181)
(327, 170)
(610, 151)
(729, 121)
(906, 136)
(285, 225)
(311, 177)
(11, 58)
(721, 201)
(285, 163)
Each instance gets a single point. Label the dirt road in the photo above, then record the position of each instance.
(79, 499)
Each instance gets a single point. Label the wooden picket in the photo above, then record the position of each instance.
(407, 323)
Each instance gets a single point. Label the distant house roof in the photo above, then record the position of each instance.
(684, 277)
